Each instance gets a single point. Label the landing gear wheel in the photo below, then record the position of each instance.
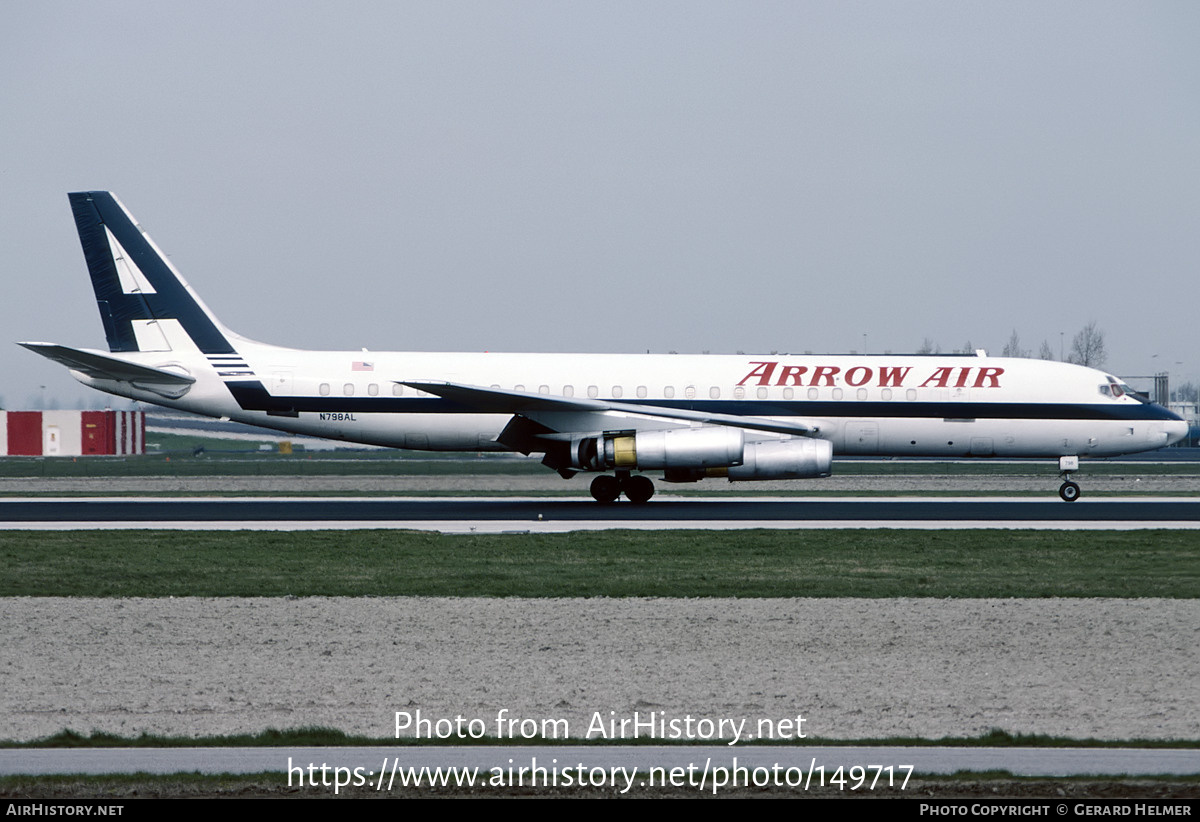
(1069, 491)
(638, 489)
(605, 488)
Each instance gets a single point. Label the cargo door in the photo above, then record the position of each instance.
(94, 433)
(862, 437)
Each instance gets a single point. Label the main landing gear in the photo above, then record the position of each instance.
(1069, 491)
(637, 489)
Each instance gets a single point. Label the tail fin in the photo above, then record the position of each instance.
(144, 302)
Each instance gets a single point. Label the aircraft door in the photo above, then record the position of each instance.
(279, 383)
(982, 447)
(52, 441)
(862, 437)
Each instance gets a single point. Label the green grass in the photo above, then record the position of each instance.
(252, 463)
(988, 787)
(762, 563)
(332, 738)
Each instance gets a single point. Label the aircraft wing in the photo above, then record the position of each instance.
(499, 401)
(102, 366)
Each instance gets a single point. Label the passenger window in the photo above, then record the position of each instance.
(910, 394)
(324, 389)
(593, 391)
(690, 392)
(568, 390)
(397, 390)
(617, 392)
(739, 392)
(518, 388)
(543, 389)
(886, 393)
(812, 393)
(714, 393)
(789, 392)
(837, 393)
(641, 392)
(861, 393)
(348, 389)
(669, 392)
(762, 393)
(373, 389)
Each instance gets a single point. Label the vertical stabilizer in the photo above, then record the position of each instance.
(144, 303)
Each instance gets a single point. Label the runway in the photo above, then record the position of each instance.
(558, 514)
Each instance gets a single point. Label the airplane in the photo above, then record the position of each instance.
(759, 417)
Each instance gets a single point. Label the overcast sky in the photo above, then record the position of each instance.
(549, 176)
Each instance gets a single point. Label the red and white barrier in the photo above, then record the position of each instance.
(72, 433)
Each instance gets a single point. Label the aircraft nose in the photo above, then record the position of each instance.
(1176, 430)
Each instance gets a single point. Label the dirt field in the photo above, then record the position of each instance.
(1109, 669)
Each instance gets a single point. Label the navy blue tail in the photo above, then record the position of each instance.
(134, 283)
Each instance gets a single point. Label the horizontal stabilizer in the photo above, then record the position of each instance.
(499, 401)
(102, 366)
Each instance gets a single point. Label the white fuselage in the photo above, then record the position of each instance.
(903, 405)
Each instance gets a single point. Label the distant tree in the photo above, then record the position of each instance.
(968, 348)
(1185, 392)
(1013, 347)
(1045, 352)
(928, 346)
(1088, 347)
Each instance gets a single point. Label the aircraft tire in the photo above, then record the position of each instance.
(1069, 491)
(639, 489)
(605, 489)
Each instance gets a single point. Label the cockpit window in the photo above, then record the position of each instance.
(1117, 389)
(1135, 394)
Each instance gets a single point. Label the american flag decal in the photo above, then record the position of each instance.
(363, 366)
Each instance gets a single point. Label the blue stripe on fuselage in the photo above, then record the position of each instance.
(253, 396)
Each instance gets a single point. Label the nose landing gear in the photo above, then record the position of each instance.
(1069, 490)
(606, 489)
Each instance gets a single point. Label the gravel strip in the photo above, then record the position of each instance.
(855, 668)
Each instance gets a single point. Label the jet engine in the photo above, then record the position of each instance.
(690, 454)
(672, 448)
(784, 459)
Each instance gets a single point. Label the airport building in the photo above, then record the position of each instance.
(72, 433)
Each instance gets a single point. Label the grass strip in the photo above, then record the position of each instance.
(989, 786)
(332, 738)
(250, 464)
(755, 563)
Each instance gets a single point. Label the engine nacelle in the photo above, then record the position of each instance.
(695, 448)
(799, 458)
